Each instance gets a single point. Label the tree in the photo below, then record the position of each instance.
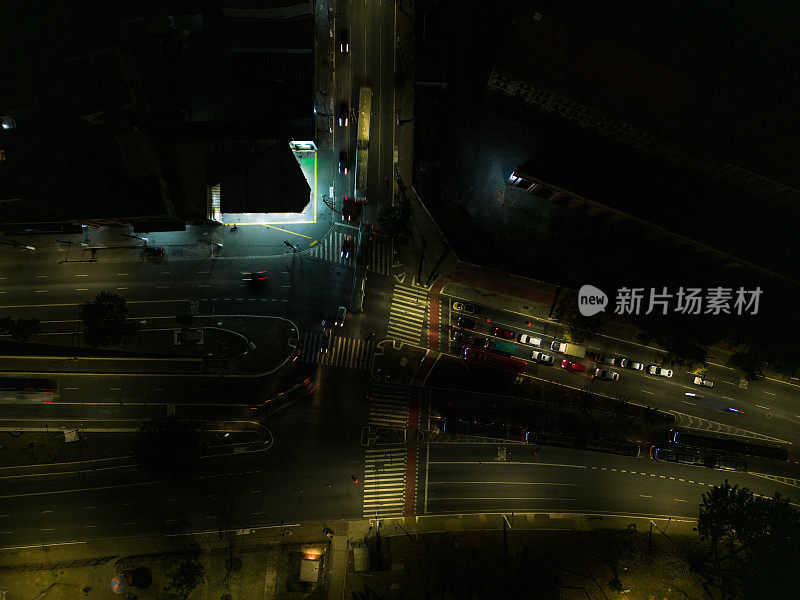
(105, 320)
(185, 320)
(578, 326)
(21, 330)
(748, 363)
(755, 543)
(185, 578)
(166, 447)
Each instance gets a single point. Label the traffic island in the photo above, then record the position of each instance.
(396, 364)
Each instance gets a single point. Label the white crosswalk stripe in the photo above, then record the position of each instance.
(330, 247)
(407, 313)
(385, 481)
(380, 258)
(350, 353)
(389, 406)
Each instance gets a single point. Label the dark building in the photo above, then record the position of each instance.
(111, 111)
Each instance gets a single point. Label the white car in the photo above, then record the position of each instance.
(340, 316)
(703, 382)
(524, 338)
(606, 375)
(627, 363)
(543, 358)
(659, 370)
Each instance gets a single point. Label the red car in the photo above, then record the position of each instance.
(573, 366)
(503, 333)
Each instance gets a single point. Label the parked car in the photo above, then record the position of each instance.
(469, 308)
(529, 340)
(503, 333)
(703, 382)
(604, 359)
(606, 375)
(325, 341)
(154, 251)
(543, 358)
(459, 335)
(343, 116)
(659, 370)
(344, 162)
(344, 41)
(627, 363)
(573, 366)
(466, 322)
(340, 315)
(347, 247)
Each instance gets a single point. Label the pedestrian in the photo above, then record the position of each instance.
(354, 478)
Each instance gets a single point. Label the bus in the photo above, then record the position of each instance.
(480, 357)
(362, 142)
(27, 389)
(699, 457)
(483, 429)
(697, 440)
(502, 347)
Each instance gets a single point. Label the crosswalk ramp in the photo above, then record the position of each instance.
(350, 353)
(330, 247)
(385, 481)
(388, 406)
(407, 313)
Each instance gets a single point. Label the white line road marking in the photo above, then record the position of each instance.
(89, 526)
(764, 407)
(81, 275)
(81, 289)
(644, 496)
(770, 393)
(687, 402)
(123, 288)
(646, 392)
(46, 511)
(679, 500)
(120, 274)
(88, 508)
(203, 285)
(40, 291)
(41, 275)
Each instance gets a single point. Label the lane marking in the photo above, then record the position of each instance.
(644, 496)
(647, 392)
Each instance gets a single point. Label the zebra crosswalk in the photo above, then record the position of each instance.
(379, 253)
(351, 353)
(388, 406)
(407, 313)
(330, 247)
(385, 481)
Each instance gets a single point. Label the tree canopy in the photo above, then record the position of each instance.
(105, 320)
(755, 543)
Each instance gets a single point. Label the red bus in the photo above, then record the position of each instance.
(493, 360)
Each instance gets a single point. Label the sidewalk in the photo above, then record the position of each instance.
(268, 557)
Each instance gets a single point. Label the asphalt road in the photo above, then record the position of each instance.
(306, 473)
(315, 444)
(766, 409)
(461, 478)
